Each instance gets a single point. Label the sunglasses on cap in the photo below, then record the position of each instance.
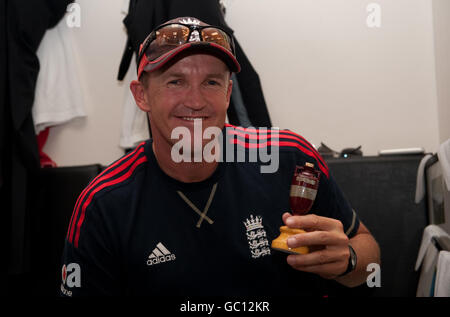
(169, 39)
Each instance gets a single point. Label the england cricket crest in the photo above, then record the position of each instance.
(256, 237)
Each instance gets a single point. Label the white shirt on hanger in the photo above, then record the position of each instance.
(58, 94)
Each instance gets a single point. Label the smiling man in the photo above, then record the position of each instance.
(191, 89)
(150, 225)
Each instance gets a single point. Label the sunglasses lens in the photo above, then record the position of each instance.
(167, 38)
(216, 36)
(170, 36)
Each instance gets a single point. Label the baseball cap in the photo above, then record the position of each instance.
(185, 34)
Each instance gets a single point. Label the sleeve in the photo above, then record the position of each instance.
(331, 202)
(90, 268)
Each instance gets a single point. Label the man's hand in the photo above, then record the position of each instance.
(326, 239)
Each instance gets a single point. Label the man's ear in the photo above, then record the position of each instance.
(138, 91)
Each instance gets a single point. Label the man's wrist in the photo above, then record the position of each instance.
(352, 261)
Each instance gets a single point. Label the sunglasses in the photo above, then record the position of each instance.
(168, 36)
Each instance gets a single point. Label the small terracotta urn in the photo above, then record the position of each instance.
(304, 187)
(280, 243)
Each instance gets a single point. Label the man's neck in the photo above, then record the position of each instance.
(187, 172)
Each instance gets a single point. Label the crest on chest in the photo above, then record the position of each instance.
(256, 237)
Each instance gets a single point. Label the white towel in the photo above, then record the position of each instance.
(428, 259)
(425, 286)
(420, 182)
(428, 233)
(442, 284)
(444, 159)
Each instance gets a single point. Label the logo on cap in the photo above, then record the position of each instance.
(189, 21)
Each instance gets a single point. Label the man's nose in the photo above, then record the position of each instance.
(194, 98)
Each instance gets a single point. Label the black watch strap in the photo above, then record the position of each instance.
(352, 260)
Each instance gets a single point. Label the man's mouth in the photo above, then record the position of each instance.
(192, 118)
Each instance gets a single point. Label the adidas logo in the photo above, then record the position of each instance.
(160, 255)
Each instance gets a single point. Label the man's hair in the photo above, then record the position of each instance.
(144, 79)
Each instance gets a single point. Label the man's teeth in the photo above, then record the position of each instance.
(192, 119)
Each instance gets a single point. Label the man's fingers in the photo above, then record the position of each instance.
(313, 222)
(328, 270)
(285, 216)
(318, 258)
(325, 238)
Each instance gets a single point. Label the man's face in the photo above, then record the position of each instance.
(197, 86)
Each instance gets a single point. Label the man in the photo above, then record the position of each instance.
(155, 224)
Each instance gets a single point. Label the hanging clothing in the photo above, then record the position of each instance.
(135, 128)
(144, 15)
(134, 120)
(23, 27)
(57, 69)
(5, 132)
(44, 159)
(238, 104)
(252, 94)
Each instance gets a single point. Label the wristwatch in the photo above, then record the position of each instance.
(352, 260)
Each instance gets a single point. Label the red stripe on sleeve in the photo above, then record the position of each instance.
(285, 134)
(323, 168)
(102, 176)
(104, 185)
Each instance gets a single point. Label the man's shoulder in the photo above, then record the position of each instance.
(107, 188)
(289, 144)
(285, 139)
(118, 177)
(122, 172)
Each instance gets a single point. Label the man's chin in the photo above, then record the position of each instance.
(196, 141)
(195, 127)
(197, 131)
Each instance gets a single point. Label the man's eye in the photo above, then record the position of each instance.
(212, 83)
(175, 82)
